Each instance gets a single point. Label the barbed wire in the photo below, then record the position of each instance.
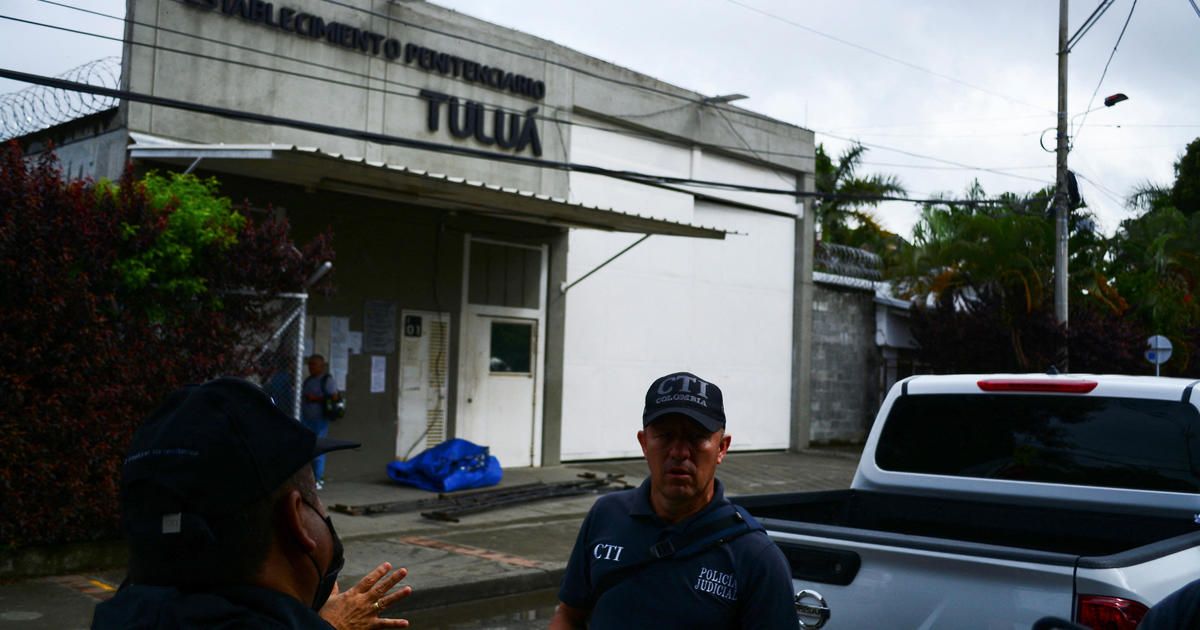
(848, 261)
(40, 107)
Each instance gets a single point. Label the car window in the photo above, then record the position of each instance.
(1092, 440)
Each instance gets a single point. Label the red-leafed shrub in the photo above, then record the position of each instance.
(110, 299)
(977, 337)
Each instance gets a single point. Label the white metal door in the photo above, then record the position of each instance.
(421, 410)
(498, 402)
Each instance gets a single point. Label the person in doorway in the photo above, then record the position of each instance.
(318, 387)
(225, 528)
(674, 553)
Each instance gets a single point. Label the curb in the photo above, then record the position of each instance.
(33, 562)
(452, 594)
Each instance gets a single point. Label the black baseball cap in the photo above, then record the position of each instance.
(687, 394)
(210, 450)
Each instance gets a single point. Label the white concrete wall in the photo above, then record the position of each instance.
(719, 308)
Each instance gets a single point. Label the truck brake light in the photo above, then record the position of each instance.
(1110, 613)
(1036, 385)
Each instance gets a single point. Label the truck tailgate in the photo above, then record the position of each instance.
(947, 585)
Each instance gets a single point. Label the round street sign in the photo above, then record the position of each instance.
(1158, 349)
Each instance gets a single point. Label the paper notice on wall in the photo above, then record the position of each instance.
(379, 327)
(339, 350)
(378, 373)
(355, 342)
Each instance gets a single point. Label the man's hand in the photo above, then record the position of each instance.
(568, 618)
(359, 607)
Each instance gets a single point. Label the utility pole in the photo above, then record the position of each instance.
(1061, 201)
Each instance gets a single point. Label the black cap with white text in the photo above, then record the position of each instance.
(687, 394)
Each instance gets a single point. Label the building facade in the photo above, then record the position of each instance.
(526, 236)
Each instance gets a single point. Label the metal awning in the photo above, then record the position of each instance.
(311, 167)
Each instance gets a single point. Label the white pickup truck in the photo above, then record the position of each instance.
(986, 502)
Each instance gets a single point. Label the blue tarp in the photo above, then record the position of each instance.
(452, 465)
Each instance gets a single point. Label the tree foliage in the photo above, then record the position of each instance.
(982, 276)
(115, 294)
(1154, 259)
(1185, 194)
(846, 219)
(979, 336)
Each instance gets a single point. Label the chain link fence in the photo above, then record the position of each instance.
(280, 359)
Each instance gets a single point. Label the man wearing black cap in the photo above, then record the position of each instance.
(674, 553)
(225, 529)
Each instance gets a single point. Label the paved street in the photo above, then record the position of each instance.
(491, 570)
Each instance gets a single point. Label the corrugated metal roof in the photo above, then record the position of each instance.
(310, 166)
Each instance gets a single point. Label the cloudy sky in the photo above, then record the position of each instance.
(942, 92)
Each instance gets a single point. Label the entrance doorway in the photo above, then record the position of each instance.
(499, 401)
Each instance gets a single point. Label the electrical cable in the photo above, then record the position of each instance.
(1194, 7)
(956, 168)
(925, 157)
(1112, 196)
(882, 55)
(751, 149)
(553, 62)
(1088, 24)
(555, 120)
(369, 78)
(938, 123)
(950, 136)
(379, 138)
(1079, 130)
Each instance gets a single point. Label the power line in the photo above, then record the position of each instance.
(539, 59)
(926, 157)
(1105, 72)
(957, 168)
(555, 119)
(1087, 25)
(750, 148)
(379, 138)
(883, 55)
(940, 123)
(950, 136)
(385, 81)
(369, 78)
(1112, 196)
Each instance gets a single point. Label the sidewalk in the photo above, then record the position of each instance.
(497, 552)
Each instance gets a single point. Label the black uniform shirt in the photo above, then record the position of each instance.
(138, 607)
(743, 583)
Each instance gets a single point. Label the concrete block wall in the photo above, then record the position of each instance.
(845, 364)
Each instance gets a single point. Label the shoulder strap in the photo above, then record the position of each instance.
(723, 525)
(325, 379)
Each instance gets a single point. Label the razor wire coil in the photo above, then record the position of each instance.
(848, 261)
(39, 107)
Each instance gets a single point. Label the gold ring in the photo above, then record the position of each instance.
(377, 607)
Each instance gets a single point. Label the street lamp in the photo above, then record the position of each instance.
(724, 98)
(1109, 101)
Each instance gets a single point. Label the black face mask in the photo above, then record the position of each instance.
(329, 577)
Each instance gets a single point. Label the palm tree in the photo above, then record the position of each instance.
(982, 252)
(844, 215)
